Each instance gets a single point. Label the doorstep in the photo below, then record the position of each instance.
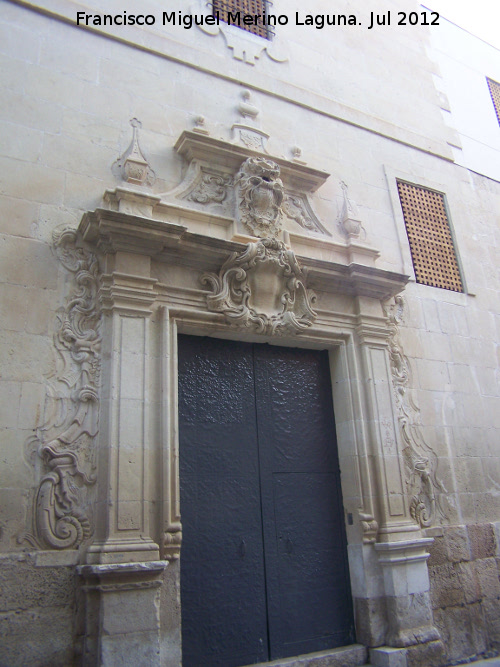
(346, 656)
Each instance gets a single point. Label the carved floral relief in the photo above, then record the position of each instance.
(63, 446)
(421, 461)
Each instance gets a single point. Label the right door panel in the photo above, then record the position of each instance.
(308, 590)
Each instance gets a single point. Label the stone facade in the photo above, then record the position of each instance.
(161, 180)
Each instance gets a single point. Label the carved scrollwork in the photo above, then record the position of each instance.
(212, 188)
(297, 208)
(370, 528)
(63, 444)
(263, 289)
(260, 194)
(421, 461)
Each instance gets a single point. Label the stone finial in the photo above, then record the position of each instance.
(246, 130)
(349, 219)
(199, 125)
(132, 166)
(297, 154)
(246, 108)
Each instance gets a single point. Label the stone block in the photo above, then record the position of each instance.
(479, 629)
(37, 637)
(491, 611)
(457, 543)
(438, 553)
(25, 145)
(10, 396)
(482, 540)
(469, 581)
(370, 620)
(17, 217)
(431, 654)
(487, 575)
(347, 656)
(27, 262)
(138, 648)
(23, 586)
(446, 589)
(456, 632)
(388, 657)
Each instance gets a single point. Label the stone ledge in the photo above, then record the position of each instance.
(346, 656)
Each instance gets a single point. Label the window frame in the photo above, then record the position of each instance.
(392, 177)
(494, 89)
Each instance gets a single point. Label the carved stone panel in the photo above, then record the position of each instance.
(263, 289)
(259, 195)
(63, 445)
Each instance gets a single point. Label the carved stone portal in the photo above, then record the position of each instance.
(263, 289)
(260, 194)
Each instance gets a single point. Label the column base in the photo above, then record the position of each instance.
(123, 551)
(122, 613)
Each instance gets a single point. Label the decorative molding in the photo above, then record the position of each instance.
(350, 222)
(370, 528)
(262, 289)
(211, 188)
(132, 166)
(244, 45)
(259, 196)
(298, 208)
(64, 442)
(421, 461)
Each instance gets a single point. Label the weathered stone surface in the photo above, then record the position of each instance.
(482, 540)
(348, 656)
(24, 586)
(370, 618)
(446, 588)
(457, 544)
(426, 655)
(487, 574)
(42, 637)
(469, 581)
(438, 552)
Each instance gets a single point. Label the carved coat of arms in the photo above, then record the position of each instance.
(260, 194)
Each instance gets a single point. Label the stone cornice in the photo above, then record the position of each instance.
(113, 231)
(194, 146)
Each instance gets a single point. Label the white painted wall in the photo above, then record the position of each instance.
(464, 62)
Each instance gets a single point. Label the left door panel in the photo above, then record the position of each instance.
(222, 560)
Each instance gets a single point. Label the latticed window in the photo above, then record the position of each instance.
(495, 95)
(431, 244)
(229, 9)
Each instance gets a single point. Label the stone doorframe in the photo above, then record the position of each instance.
(169, 266)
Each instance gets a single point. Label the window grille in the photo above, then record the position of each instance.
(252, 7)
(429, 235)
(495, 95)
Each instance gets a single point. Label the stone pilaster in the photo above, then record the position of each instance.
(126, 446)
(401, 550)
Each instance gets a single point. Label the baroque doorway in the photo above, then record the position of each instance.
(264, 571)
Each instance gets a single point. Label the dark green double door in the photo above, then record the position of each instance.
(263, 562)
